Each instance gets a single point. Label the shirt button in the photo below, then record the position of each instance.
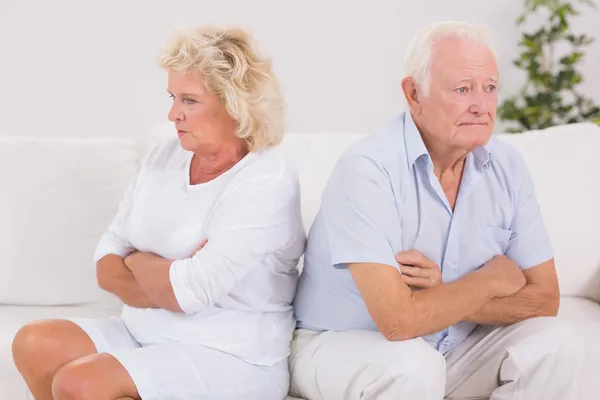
(449, 263)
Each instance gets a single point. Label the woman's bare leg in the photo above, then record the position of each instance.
(94, 377)
(40, 349)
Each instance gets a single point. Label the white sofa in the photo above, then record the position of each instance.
(58, 195)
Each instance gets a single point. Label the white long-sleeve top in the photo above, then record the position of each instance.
(236, 293)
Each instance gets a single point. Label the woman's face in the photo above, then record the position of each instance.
(202, 122)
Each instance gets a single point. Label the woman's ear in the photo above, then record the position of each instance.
(409, 87)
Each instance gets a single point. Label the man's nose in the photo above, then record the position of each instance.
(478, 103)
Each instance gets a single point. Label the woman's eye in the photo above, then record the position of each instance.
(462, 90)
(491, 88)
(190, 101)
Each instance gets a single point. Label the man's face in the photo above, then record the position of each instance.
(460, 108)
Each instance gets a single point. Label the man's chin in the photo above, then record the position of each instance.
(476, 136)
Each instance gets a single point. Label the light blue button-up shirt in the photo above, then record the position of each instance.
(383, 198)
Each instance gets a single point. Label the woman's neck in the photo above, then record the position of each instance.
(208, 164)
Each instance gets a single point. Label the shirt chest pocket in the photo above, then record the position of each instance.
(486, 243)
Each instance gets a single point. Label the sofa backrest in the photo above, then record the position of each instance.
(58, 196)
(564, 162)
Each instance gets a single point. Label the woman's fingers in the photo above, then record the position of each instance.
(200, 246)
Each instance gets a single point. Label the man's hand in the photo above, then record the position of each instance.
(417, 270)
(504, 276)
(540, 296)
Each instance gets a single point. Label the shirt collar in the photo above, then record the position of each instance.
(415, 147)
(482, 156)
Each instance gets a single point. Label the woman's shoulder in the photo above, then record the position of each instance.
(268, 169)
(269, 163)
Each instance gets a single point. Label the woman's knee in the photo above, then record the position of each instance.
(72, 382)
(49, 343)
(31, 342)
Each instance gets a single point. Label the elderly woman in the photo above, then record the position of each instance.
(203, 251)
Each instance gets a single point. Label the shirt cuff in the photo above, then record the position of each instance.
(363, 257)
(528, 254)
(105, 248)
(184, 295)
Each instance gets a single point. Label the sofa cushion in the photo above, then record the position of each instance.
(584, 315)
(58, 196)
(564, 162)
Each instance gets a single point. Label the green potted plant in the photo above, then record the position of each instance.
(550, 96)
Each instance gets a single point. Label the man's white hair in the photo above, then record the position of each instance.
(419, 53)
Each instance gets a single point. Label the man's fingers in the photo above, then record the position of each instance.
(416, 258)
(416, 282)
(409, 257)
(414, 271)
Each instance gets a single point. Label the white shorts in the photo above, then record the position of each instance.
(179, 371)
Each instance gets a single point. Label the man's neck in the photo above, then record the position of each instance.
(446, 161)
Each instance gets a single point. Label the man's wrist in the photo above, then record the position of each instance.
(483, 280)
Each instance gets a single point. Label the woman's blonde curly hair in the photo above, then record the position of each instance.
(233, 69)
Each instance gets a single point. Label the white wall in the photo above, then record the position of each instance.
(87, 67)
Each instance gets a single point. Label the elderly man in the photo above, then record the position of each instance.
(429, 272)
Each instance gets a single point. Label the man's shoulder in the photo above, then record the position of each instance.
(382, 150)
(505, 158)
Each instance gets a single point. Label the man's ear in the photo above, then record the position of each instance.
(409, 87)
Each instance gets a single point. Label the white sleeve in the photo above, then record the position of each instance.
(114, 240)
(257, 219)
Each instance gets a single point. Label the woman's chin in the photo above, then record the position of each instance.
(185, 143)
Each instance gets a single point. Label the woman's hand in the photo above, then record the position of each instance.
(417, 270)
(134, 259)
(200, 246)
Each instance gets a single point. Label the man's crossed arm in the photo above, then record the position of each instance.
(497, 293)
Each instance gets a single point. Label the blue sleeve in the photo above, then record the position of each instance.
(529, 244)
(360, 214)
